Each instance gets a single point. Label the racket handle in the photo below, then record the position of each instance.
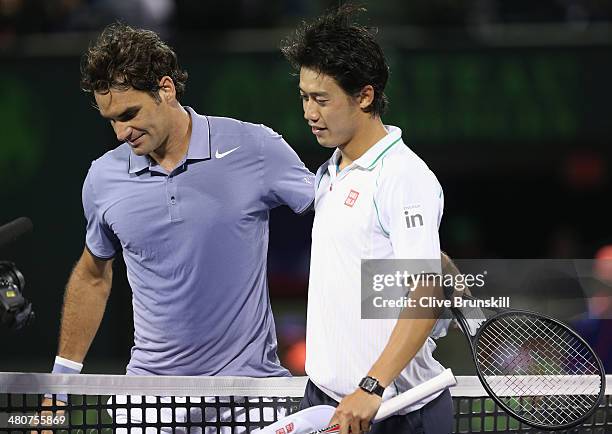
(437, 384)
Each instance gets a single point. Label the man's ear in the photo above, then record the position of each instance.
(366, 97)
(167, 90)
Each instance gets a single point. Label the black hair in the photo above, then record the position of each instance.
(344, 50)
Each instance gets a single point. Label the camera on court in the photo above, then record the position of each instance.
(15, 310)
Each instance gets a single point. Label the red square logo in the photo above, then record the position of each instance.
(290, 427)
(281, 431)
(351, 198)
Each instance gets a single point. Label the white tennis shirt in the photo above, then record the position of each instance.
(386, 204)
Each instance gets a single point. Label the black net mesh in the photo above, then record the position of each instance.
(89, 413)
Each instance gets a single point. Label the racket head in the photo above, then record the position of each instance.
(535, 368)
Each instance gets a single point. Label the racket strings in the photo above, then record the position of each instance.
(566, 343)
(539, 369)
(517, 357)
(547, 409)
(519, 342)
(542, 350)
(532, 357)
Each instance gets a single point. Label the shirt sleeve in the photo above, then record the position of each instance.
(287, 181)
(409, 208)
(99, 238)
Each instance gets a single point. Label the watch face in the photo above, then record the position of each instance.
(369, 384)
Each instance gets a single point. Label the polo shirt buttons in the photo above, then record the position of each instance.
(174, 209)
(171, 190)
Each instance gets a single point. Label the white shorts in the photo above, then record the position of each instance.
(174, 415)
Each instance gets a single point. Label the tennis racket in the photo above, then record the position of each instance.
(536, 368)
(314, 420)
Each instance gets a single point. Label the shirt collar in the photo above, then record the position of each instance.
(138, 163)
(375, 153)
(380, 148)
(198, 148)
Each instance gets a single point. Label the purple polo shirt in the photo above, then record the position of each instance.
(195, 244)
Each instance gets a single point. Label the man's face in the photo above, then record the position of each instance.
(332, 114)
(136, 118)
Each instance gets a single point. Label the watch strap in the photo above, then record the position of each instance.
(372, 386)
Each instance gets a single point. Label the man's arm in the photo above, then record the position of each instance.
(408, 336)
(448, 266)
(287, 181)
(85, 299)
(410, 333)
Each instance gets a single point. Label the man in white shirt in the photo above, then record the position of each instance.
(375, 199)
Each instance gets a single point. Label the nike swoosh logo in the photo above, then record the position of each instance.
(223, 154)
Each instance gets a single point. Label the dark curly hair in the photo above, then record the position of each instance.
(123, 57)
(346, 51)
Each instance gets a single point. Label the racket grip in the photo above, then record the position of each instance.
(437, 384)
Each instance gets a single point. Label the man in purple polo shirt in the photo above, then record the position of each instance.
(185, 199)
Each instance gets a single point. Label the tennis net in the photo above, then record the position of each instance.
(209, 405)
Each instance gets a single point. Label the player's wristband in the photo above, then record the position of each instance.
(64, 366)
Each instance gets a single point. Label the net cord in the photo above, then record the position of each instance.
(92, 384)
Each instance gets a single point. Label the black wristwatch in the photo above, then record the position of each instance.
(371, 386)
